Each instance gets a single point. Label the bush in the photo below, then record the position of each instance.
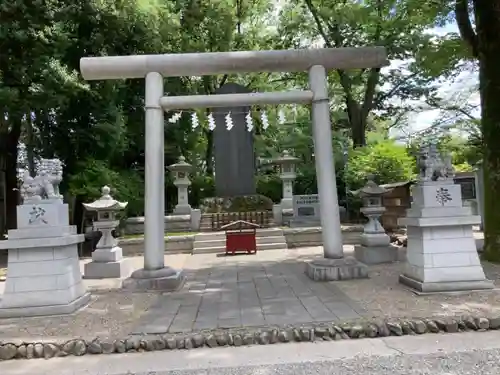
(387, 161)
(126, 186)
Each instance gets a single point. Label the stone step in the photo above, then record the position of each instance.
(272, 246)
(210, 243)
(269, 232)
(270, 239)
(220, 241)
(209, 250)
(222, 249)
(210, 236)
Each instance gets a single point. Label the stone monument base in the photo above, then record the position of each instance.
(376, 254)
(30, 311)
(325, 269)
(423, 288)
(165, 279)
(107, 270)
(107, 264)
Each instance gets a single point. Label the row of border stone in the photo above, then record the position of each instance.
(323, 332)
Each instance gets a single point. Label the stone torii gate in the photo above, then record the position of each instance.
(155, 275)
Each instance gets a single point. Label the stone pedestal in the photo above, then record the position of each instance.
(441, 254)
(325, 269)
(287, 200)
(375, 245)
(43, 275)
(375, 248)
(165, 279)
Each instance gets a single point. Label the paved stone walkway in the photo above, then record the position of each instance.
(269, 288)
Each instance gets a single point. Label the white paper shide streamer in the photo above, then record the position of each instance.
(211, 121)
(175, 117)
(281, 117)
(195, 122)
(229, 121)
(249, 121)
(264, 119)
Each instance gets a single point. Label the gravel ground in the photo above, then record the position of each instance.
(382, 296)
(484, 362)
(110, 314)
(114, 313)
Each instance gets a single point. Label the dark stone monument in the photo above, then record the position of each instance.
(233, 149)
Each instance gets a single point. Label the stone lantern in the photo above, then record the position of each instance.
(375, 243)
(180, 171)
(107, 258)
(287, 165)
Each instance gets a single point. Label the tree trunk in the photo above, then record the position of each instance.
(8, 148)
(487, 14)
(30, 145)
(358, 129)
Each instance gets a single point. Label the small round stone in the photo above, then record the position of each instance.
(383, 330)
(22, 351)
(211, 341)
(7, 351)
(395, 328)
(30, 351)
(420, 327)
(356, 332)
(120, 346)
(248, 339)
(222, 339)
(107, 347)
(273, 337)
(283, 336)
(171, 343)
(180, 343)
(407, 328)
(482, 324)
(494, 323)
(371, 330)
(264, 338)
(50, 350)
(320, 331)
(432, 326)
(198, 340)
(132, 343)
(451, 326)
(38, 349)
(470, 323)
(305, 334)
(296, 335)
(237, 340)
(94, 347)
(188, 343)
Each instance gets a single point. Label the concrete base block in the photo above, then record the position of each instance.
(336, 269)
(376, 254)
(165, 279)
(107, 270)
(422, 288)
(30, 311)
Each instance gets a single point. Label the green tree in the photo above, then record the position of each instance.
(387, 161)
(400, 26)
(485, 46)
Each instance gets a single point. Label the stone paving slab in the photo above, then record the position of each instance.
(245, 291)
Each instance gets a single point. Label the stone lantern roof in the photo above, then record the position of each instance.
(105, 203)
(285, 158)
(371, 189)
(180, 166)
